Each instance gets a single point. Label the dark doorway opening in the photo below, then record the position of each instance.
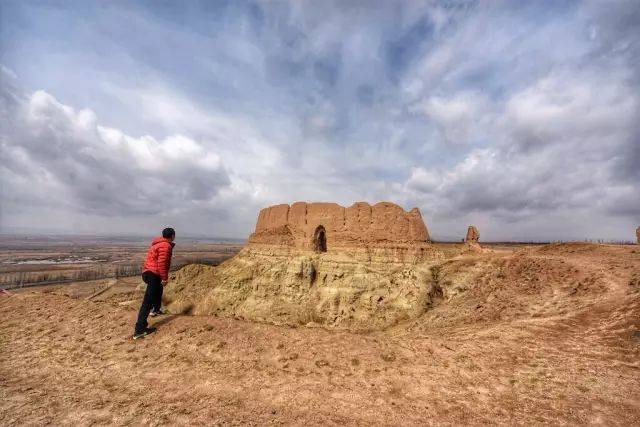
(320, 239)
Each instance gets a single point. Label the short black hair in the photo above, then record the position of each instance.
(168, 233)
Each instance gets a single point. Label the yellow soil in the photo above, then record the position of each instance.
(533, 336)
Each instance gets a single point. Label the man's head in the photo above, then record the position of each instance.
(169, 233)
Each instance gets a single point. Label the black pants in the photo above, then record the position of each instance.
(152, 299)
(157, 303)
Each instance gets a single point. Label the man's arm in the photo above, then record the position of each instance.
(164, 261)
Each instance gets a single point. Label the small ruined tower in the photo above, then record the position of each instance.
(472, 235)
(638, 235)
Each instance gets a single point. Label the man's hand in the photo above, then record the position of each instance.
(164, 283)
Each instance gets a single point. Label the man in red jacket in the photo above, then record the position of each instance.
(155, 273)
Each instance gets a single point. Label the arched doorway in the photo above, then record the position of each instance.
(320, 239)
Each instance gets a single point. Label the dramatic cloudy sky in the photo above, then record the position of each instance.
(123, 117)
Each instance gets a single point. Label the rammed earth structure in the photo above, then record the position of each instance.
(325, 226)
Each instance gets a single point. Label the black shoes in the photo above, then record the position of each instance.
(144, 333)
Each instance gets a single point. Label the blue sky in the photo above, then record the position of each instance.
(519, 117)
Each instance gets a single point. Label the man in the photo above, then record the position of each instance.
(155, 274)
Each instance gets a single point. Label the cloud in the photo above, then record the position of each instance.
(559, 145)
(54, 155)
(494, 113)
(592, 106)
(461, 118)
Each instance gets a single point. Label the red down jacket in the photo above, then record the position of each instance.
(159, 257)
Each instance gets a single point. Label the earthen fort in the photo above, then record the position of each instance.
(318, 226)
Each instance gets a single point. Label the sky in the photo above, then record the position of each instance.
(123, 117)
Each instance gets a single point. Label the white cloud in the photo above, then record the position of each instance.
(561, 143)
(237, 140)
(462, 118)
(424, 181)
(574, 104)
(59, 157)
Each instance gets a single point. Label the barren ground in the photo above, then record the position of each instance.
(543, 335)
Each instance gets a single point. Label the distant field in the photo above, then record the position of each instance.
(29, 260)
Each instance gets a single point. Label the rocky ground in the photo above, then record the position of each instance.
(538, 335)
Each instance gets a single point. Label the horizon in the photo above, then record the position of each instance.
(436, 239)
(520, 119)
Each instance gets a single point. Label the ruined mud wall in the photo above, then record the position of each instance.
(358, 225)
(473, 235)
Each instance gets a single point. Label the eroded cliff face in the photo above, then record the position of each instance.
(358, 225)
(347, 289)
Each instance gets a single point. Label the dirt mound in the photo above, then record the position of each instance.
(569, 248)
(292, 287)
(551, 283)
(358, 292)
